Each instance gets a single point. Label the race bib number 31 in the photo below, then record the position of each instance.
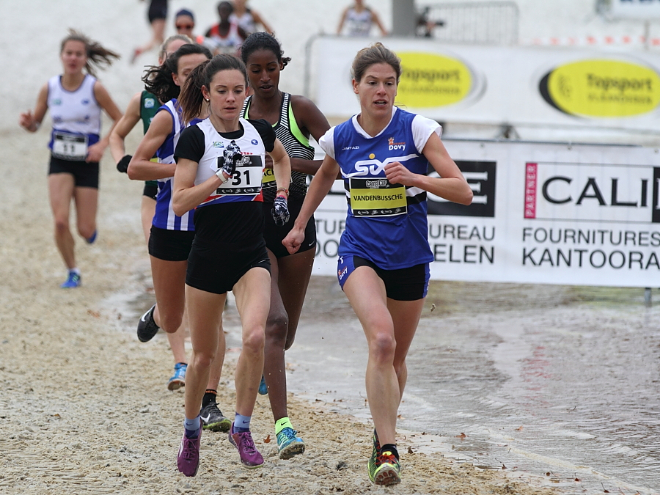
(377, 198)
(69, 146)
(246, 179)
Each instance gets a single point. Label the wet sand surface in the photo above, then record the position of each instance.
(85, 408)
(561, 382)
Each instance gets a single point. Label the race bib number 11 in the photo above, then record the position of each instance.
(69, 146)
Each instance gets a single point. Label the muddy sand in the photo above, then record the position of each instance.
(85, 407)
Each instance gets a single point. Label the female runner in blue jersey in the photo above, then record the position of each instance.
(75, 100)
(143, 106)
(220, 163)
(294, 118)
(172, 235)
(383, 267)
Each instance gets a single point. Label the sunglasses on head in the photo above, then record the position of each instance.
(184, 26)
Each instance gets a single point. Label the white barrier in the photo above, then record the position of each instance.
(542, 213)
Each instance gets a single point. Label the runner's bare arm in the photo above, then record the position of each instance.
(318, 189)
(312, 122)
(281, 165)
(451, 184)
(185, 194)
(31, 121)
(95, 151)
(141, 166)
(123, 127)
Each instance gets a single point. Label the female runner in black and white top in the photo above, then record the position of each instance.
(220, 163)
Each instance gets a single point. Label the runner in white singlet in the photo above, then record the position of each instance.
(75, 100)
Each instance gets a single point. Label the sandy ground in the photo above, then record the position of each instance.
(85, 408)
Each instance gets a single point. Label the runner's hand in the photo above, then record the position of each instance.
(122, 165)
(294, 240)
(230, 158)
(397, 173)
(27, 122)
(280, 211)
(95, 153)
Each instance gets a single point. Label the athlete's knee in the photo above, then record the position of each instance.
(170, 322)
(382, 346)
(254, 340)
(61, 225)
(86, 231)
(276, 329)
(203, 359)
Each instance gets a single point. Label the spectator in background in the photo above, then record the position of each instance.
(358, 20)
(157, 15)
(184, 23)
(226, 36)
(247, 18)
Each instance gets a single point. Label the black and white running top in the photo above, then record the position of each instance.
(296, 145)
(232, 214)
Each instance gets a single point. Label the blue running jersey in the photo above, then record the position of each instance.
(164, 218)
(386, 223)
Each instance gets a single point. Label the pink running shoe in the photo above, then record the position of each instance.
(250, 456)
(188, 459)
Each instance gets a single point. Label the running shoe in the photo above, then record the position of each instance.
(188, 459)
(178, 379)
(250, 456)
(72, 281)
(93, 238)
(213, 419)
(263, 388)
(384, 467)
(147, 327)
(288, 444)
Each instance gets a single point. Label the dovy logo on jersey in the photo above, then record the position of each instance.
(396, 146)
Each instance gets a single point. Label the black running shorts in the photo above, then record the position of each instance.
(84, 174)
(404, 284)
(216, 268)
(170, 245)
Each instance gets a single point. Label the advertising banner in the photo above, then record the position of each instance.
(550, 86)
(542, 213)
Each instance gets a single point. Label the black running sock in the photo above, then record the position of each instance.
(391, 448)
(209, 397)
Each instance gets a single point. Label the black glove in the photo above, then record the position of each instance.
(280, 211)
(122, 165)
(230, 158)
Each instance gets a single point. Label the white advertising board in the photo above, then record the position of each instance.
(635, 9)
(542, 213)
(571, 87)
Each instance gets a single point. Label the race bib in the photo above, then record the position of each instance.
(377, 198)
(246, 179)
(69, 146)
